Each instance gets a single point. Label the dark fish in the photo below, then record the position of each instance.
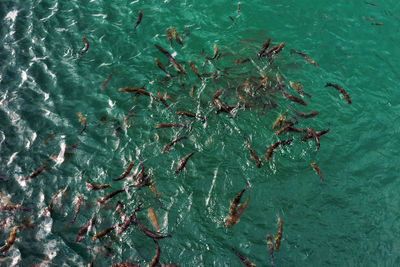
(191, 115)
(270, 246)
(14, 208)
(238, 61)
(72, 147)
(94, 187)
(306, 57)
(85, 229)
(319, 133)
(263, 48)
(232, 19)
(317, 170)
(111, 195)
(10, 240)
(86, 47)
(372, 4)
(139, 19)
(124, 264)
(169, 125)
(176, 65)
(156, 259)
(341, 90)
(167, 96)
(174, 34)
(161, 98)
(215, 97)
(235, 201)
(162, 50)
(262, 84)
(169, 145)
(275, 50)
(82, 120)
(272, 147)
(234, 217)
(194, 69)
(51, 136)
(136, 90)
(296, 130)
(104, 84)
(126, 172)
(279, 120)
(253, 153)
(160, 65)
(3, 180)
(142, 177)
(315, 136)
(299, 88)
(377, 24)
(293, 98)
(169, 36)
(102, 120)
(222, 107)
(216, 51)
(149, 233)
(191, 93)
(35, 173)
(127, 221)
(49, 208)
(103, 233)
(279, 79)
(78, 202)
(311, 114)
(183, 162)
(243, 259)
(238, 9)
(278, 235)
(284, 128)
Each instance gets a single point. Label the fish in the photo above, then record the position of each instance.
(139, 18)
(223, 107)
(270, 246)
(191, 115)
(128, 220)
(317, 170)
(136, 90)
(238, 9)
(78, 202)
(174, 34)
(341, 90)
(262, 84)
(278, 235)
(51, 136)
(153, 219)
(84, 229)
(232, 219)
(372, 4)
(161, 98)
(72, 147)
(111, 195)
(49, 208)
(149, 233)
(232, 19)
(10, 240)
(169, 125)
(315, 136)
(243, 259)
(238, 61)
(296, 130)
(306, 57)
(377, 24)
(3, 180)
(275, 50)
(284, 128)
(176, 65)
(272, 148)
(124, 264)
(168, 146)
(82, 120)
(191, 93)
(293, 98)
(104, 232)
(279, 79)
(162, 50)
(279, 119)
(194, 69)
(169, 36)
(94, 187)
(104, 84)
(319, 133)
(156, 259)
(12, 207)
(154, 190)
(299, 88)
(167, 96)
(253, 153)
(35, 173)
(86, 47)
(182, 162)
(160, 65)
(125, 173)
(102, 120)
(263, 48)
(235, 201)
(216, 51)
(311, 114)
(217, 94)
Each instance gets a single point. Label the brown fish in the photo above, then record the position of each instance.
(124, 264)
(235, 201)
(279, 79)
(232, 19)
(272, 147)
(111, 195)
(10, 240)
(127, 221)
(83, 121)
(299, 88)
(12, 207)
(275, 50)
(48, 138)
(160, 65)
(279, 119)
(278, 235)
(161, 98)
(35, 173)
(139, 19)
(317, 170)
(167, 96)
(156, 259)
(270, 246)
(191, 115)
(169, 36)
(296, 130)
(103, 233)
(3, 180)
(311, 114)
(372, 4)
(319, 133)
(153, 219)
(238, 9)
(194, 69)
(284, 128)
(169, 145)
(341, 90)
(253, 153)
(263, 48)
(262, 84)
(176, 65)
(215, 97)
(49, 208)
(162, 50)
(125, 173)
(182, 162)
(223, 108)
(233, 218)
(149, 233)
(86, 47)
(243, 259)
(315, 136)
(238, 61)
(306, 57)
(191, 93)
(94, 187)
(136, 90)
(216, 52)
(293, 98)
(85, 229)
(78, 202)
(377, 24)
(104, 84)
(175, 35)
(170, 125)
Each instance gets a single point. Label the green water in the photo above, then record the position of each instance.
(351, 220)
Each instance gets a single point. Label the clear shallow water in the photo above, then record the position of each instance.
(352, 220)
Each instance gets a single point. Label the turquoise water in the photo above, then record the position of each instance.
(351, 220)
